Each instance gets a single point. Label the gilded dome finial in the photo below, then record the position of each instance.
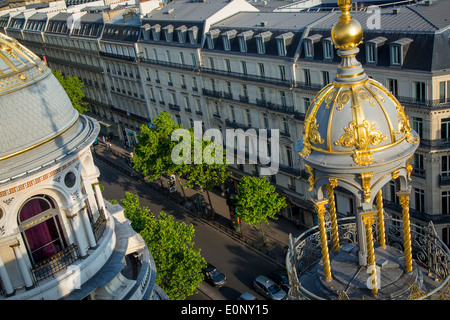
(347, 32)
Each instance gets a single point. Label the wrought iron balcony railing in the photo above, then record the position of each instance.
(56, 263)
(429, 253)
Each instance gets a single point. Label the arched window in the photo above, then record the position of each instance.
(41, 229)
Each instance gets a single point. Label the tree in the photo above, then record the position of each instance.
(133, 211)
(209, 168)
(152, 156)
(257, 201)
(73, 87)
(178, 264)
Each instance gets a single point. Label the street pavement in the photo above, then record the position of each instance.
(114, 154)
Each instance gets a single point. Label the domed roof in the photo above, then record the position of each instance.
(354, 119)
(34, 107)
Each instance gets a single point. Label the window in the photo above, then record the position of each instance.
(444, 91)
(445, 165)
(261, 70)
(325, 77)
(244, 67)
(309, 53)
(265, 121)
(228, 65)
(262, 94)
(445, 202)
(306, 102)
(396, 58)
(419, 168)
(244, 91)
(285, 126)
(41, 229)
(393, 86)
(181, 57)
(282, 72)
(393, 188)
(211, 62)
(307, 76)
(283, 98)
(194, 84)
(419, 196)
(229, 90)
(445, 128)
(446, 236)
(193, 34)
(418, 125)
(289, 156)
(420, 91)
(232, 114)
(328, 49)
(249, 117)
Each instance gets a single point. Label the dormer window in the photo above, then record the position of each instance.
(283, 41)
(145, 31)
(193, 34)
(398, 50)
(181, 33)
(327, 45)
(243, 38)
(261, 41)
(156, 30)
(168, 33)
(372, 49)
(309, 44)
(211, 37)
(227, 37)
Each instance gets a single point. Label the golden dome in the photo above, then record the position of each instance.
(354, 117)
(347, 32)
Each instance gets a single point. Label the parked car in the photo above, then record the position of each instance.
(280, 277)
(247, 296)
(268, 289)
(213, 276)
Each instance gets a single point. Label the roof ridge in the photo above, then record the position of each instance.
(419, 14)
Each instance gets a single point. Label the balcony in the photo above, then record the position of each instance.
(431, 260)
(437, 144)
(212, 93)
(169, 64)
(174, 107)
(117, 56)
(248, 77)
(415, 102)
(56, 263)
(444, 180)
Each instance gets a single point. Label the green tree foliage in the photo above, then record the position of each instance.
(152, 156)
(257, 201)
(133, 211)
(204, 172)
(73, 87)
(178, 264)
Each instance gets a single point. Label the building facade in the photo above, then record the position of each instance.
(231, 65)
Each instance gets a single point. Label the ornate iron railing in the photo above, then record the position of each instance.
(429, 252)
(99, 226)
(55, 263)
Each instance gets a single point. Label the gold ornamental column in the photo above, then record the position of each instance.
(380, 220)
(368, 220)
(332, 206)
(404, 201)
(320, 210)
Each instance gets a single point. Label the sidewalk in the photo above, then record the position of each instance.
(276, 233)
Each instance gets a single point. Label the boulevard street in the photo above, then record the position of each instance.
(239, 263)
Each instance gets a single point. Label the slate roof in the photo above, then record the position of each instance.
(187, 10)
